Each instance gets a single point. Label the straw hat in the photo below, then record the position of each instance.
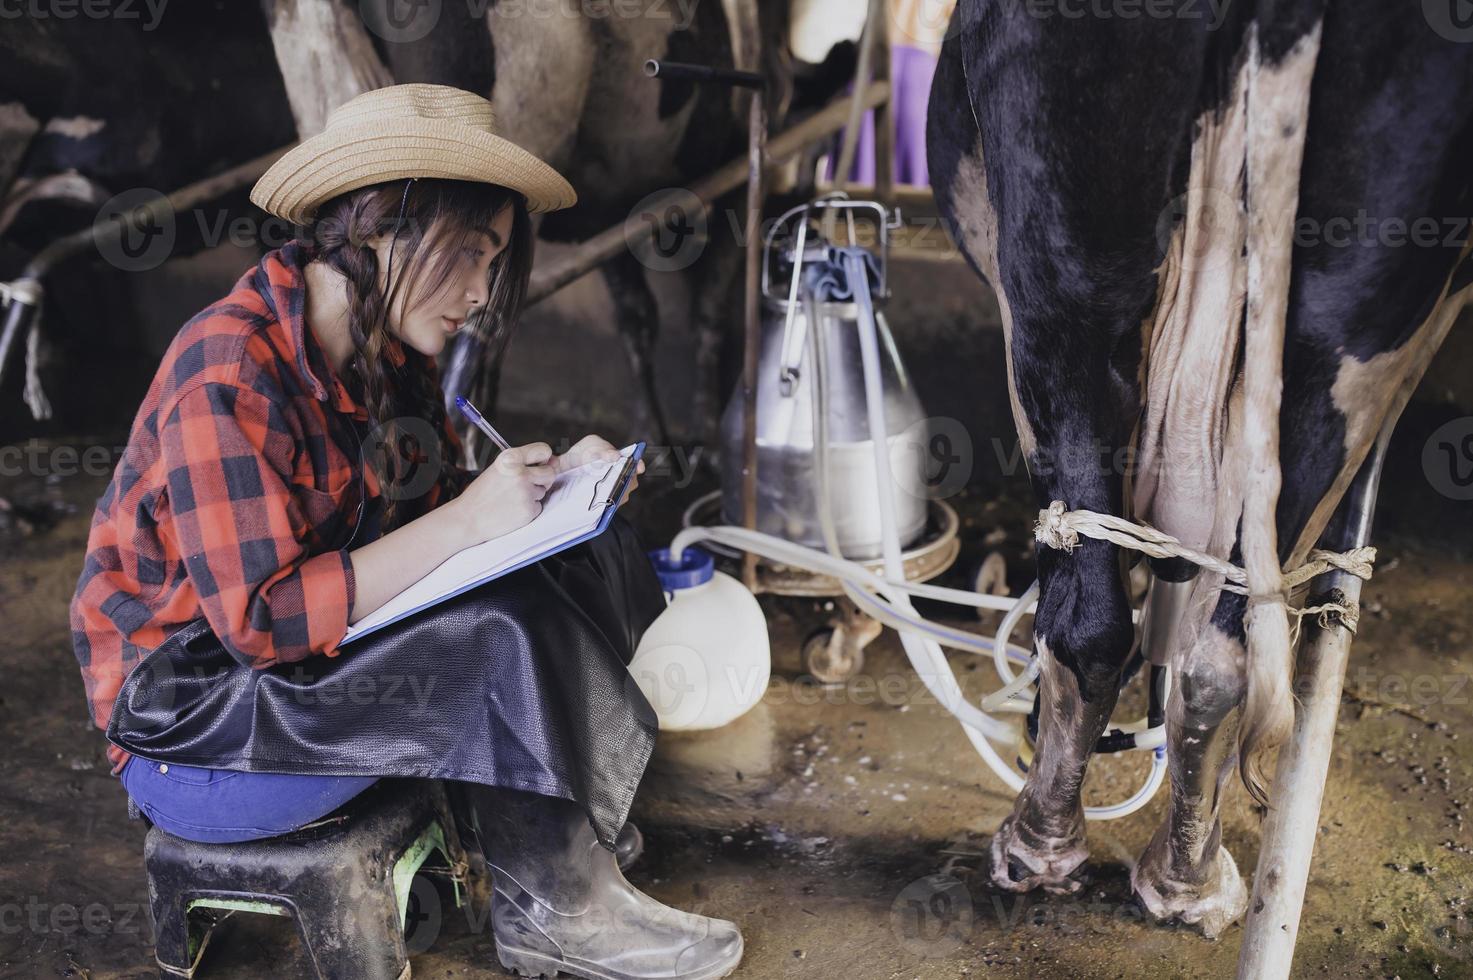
(413, 130)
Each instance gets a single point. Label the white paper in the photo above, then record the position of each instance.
(566, 515)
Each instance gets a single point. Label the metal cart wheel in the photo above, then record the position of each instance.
(835, 653)
(991, 578)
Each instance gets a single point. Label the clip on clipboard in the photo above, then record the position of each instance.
(563, 523)
(622, 478)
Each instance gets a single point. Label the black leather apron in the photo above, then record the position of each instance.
(519, 683)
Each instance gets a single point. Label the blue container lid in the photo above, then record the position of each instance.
(695, 567)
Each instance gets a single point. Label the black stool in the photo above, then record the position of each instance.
(345, 879)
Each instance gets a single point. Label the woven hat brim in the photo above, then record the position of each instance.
(339, 160)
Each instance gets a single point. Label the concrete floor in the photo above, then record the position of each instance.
(844, 829)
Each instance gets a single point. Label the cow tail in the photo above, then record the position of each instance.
(1279, 76)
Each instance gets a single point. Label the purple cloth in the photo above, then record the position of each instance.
(911, 70)
(220, 806)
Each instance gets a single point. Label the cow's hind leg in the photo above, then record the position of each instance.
(1185, 873)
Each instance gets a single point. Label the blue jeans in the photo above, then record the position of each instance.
(217, 806)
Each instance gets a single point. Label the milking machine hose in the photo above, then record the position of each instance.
(887, 598)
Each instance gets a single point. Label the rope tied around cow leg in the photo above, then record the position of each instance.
(1061, 529)
(1053, 528)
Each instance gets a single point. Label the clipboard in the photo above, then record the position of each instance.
(606, 494)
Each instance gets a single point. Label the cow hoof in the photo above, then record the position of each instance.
(1018, 866)
(1211, 906)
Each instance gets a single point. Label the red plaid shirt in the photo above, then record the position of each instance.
(238, 494)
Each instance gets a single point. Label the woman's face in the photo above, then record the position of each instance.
(433, 320)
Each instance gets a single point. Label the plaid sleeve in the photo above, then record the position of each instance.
(228, 452)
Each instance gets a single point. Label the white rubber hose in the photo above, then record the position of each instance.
(886, 598)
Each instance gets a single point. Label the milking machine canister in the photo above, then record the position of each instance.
(796, 253)
(830, 378)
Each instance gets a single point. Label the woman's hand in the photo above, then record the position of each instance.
(508, 493)
(591, 448)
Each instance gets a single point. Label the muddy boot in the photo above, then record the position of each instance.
(561, 905)
(628, 846)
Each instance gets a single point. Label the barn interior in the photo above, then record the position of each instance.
(843, 821)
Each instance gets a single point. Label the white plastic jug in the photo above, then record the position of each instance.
(704, 661)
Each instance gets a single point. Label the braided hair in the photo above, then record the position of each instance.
(430, 222)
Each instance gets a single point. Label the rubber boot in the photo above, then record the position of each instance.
(561, 905)
(628, 846)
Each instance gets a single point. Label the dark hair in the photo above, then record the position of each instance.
(440, 219)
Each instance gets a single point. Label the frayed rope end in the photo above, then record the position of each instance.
(1054, 528)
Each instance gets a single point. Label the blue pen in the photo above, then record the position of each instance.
(479, 421)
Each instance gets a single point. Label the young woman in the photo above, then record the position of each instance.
(292, 469)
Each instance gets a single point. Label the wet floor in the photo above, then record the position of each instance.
(844, 828)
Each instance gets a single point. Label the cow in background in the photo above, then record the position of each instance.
(205, 93)
(567, 83)
(1092, 169)
(95, 106)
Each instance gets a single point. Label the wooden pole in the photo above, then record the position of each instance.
(552, 276)
(884, 116)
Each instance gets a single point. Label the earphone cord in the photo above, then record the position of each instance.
(398, 223)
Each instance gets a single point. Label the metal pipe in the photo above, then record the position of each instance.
(26, 301)
(1272, 926)
(863, 72)
(684, 71)
(150, 211)
(752, 328)
(1166, 604)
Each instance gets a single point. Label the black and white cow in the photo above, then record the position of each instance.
(1090, 159)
